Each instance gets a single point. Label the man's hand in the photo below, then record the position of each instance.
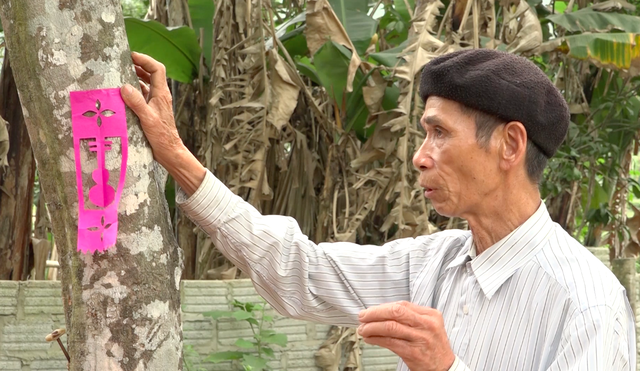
(414, 333)
(154, 109)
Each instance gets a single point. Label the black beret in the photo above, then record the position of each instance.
(507, 86)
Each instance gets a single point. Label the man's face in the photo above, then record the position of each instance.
(459, 176)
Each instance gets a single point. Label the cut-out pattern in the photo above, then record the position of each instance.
(96, 116)
(100, 114)
(101, 228)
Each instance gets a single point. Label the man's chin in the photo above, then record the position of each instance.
(443, 210)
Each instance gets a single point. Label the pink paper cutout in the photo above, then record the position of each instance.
(97, 115)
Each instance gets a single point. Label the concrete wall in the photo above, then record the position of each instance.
(304, 337)
(31, 310)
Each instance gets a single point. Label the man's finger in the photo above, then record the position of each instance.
(391, 329)
(403, 312)
(134, 100)
(143, 75)
(156, 70)
(419, 309)
(145, 90)
(395, 345)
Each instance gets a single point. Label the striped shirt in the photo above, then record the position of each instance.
(536, 300)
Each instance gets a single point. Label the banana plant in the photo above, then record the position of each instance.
(609, 40)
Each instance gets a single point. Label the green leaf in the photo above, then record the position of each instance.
(176, 48)
(266, 332)
(332, 65)
(561, 7)
(534, 3)
(277, 339)
(215, 314)
(224, 356)
(132, 8)
(244, 344)
(296, 43)
(390, 98)
(600, 196)
(267, 351)
(267, 318)
(242, 315)
(357, 114)
(611, 50)
(589, 20)
(635, 189)
(201, 12)
(238, 304)
(401, 8)
(389, 57)
(359, 26)
(254, 362)
(253, 321)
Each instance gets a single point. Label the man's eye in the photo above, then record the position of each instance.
(439, 132)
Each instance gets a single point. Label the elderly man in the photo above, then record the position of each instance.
(516, 292)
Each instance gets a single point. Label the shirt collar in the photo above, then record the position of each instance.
(467, 253)
(500, 261)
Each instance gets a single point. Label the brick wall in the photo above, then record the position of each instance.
(31, 310)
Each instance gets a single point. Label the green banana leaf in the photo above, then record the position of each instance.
(389, 57)
(331, 64)
(177, 48)
(620, 51)
(201, 12)
(359, 26)
(401, 7)
(587, 19)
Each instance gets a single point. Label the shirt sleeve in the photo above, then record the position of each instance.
(601, 337)
(327, 282)
(458, 365)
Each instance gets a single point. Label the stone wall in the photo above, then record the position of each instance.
(31, 310)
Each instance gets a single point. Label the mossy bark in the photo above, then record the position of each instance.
(122, 306)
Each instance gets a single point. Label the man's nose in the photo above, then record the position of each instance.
(422, 159)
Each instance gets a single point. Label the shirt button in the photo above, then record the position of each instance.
(465, 309)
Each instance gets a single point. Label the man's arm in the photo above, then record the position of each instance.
(329, 283)
(601, 337)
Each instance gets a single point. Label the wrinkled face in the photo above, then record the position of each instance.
(459, 176)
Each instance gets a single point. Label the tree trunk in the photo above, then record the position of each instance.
(122, 307)
(16, 186)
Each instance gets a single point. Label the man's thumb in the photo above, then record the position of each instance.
(134, 99)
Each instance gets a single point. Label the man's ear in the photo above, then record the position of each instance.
(514, 145)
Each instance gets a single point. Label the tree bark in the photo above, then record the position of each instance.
(16, 185)
(122, 307)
